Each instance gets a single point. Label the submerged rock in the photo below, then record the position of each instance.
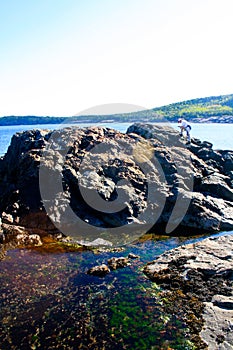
(99, 270)
(133, 256)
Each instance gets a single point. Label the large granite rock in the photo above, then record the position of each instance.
(202, 271)
(144, 179)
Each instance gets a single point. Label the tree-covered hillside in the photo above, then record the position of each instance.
(215, 109)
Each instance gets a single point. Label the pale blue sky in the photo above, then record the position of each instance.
(59, 57)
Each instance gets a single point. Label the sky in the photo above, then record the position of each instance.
(61, 57)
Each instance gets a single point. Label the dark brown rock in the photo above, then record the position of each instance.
(146, 178)
(99, 270)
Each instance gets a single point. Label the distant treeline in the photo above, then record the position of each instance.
(30, 120)
(216, 109)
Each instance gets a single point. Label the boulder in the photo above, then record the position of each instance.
(195, 166)
(118, 262)
(7, 218)
(28, 240)
(85, 181)
(133, 256)
(216, 185)
(99, 270)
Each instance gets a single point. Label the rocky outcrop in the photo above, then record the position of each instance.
(203, 272)
(84, 182)
(197, 174)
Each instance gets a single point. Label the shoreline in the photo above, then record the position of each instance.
(194, 178)
(198, 279)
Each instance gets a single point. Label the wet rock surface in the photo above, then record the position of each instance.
(119, 262)
(113, 263)
(199, 277)
(100, 270)
(148, 178)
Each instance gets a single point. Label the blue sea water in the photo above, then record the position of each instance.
(219, 134)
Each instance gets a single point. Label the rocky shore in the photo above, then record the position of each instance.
(65, 183)
(146, 179)
(197, 279)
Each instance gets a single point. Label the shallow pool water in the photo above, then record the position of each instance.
(48, 301)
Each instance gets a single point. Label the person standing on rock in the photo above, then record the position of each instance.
(184, 126)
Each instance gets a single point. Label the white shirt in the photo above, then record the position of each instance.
(183, 124)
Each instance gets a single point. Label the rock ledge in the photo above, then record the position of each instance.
(204, 271)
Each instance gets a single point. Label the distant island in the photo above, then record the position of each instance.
(31, 120)
(214, 109)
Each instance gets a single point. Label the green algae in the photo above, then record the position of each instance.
(48, 301)
(137, 320)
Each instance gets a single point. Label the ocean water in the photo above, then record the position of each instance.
(221, 135)
(218, 134)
